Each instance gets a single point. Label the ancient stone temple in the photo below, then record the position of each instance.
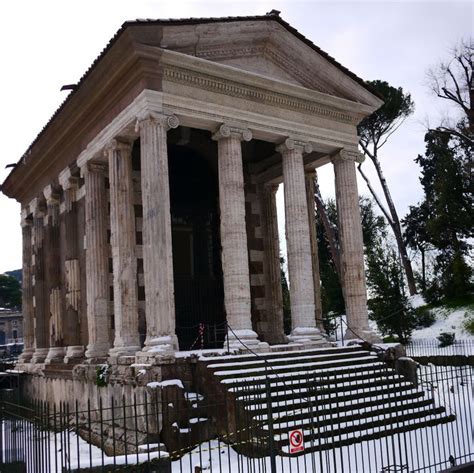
(148, 200)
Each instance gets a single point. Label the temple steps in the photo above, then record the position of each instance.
(337, 396)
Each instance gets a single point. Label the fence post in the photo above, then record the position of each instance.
(1, 432)
(271, 445)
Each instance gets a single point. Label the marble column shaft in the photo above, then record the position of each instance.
(272, 260)
(97, 261)
(40, 303)
(298, 242)
(27, 289)
(310, 190)
(123, 241)
(53, 269)
(351, 243)
(235, 265)
(157, 242)
(71, 280)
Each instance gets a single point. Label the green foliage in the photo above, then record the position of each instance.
(468, 324)
(16, 273)
(444, 220)
(10, 292)
(102, 372)
(397, 106)
(446, 339)
(423, 317)
(331, 291)
(388, 303)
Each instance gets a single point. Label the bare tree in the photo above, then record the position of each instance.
(453, 81)
(374, 132)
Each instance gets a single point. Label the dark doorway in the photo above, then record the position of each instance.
(199, 300)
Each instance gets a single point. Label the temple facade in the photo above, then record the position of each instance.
(148, 200)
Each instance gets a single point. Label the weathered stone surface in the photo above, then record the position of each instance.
(39, 301)
(27, 288)
(97, 261)
(298, 243)
(235, 266)
(274, 297)
(122, 223)
(157, 243)
(310, 178)
(352, 249)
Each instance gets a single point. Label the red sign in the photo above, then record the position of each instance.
(296, 441)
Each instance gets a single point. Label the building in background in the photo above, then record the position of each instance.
(11, 332)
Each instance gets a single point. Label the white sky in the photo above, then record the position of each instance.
(48, 43)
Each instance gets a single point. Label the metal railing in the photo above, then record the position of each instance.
(169, 429)
(433, 347)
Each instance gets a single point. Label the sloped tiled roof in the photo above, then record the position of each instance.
(274, 15)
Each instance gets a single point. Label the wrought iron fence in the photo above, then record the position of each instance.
(337, 426)
(432, 347)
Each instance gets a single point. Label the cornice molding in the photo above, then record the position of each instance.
(257, 94)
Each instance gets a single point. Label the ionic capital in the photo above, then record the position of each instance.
(97, 167)
(310, 174)
(25, 219)
(66, 180)
(234, 131)
(291, 144)
(37, 207)
(51, 195)
(166, 121)
(348, 154)
(270, 187)
(118, 144)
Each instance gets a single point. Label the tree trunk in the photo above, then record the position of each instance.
(395, 224)
(329, 231)
(423, 269)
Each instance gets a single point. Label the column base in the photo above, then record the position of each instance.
(39, 355)
(26, 355)
(244, 340)
(155, 348)
(128, 352)
(74, 353)
(55, 355)
(308, 337)
(96, 353)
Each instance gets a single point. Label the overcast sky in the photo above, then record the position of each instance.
(48, 43)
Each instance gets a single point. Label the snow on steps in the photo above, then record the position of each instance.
(338, 395)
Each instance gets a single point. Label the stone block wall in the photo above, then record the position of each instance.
(256, 252)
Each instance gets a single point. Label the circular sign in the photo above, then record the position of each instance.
(296, 441)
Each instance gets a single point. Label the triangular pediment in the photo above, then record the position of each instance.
(268, 49)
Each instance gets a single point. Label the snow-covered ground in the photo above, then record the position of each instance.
(447, 320)
(412, 450)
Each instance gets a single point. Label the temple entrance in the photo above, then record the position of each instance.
(199, 298)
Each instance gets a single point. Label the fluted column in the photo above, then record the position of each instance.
(71, 270)
(122, 223)
(157, 243)
(41, 330)
(57, 349)
(298, 243)
(235, 266)
(351, 243)
(27, 288)
(274, 294)
(97, 261)
(310, 178)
